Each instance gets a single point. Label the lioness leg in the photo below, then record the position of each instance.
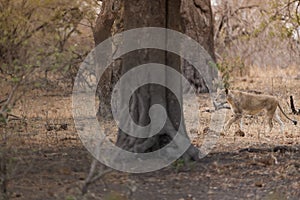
(241, 124)
(270, 123)
(277, 119)
(233, 119)
(270, 116)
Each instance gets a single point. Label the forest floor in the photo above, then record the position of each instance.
(46, 159)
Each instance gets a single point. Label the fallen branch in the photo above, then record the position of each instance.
(281, 149)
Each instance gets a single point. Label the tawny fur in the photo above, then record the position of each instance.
(242, 103)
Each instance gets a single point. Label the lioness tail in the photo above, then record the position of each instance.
(294, 121)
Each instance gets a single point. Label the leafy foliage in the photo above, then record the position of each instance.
(260, 33)
(38, 37)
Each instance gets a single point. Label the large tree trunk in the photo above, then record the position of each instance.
(198, 20)
(196, 16)
(159, 13)
(197, 23)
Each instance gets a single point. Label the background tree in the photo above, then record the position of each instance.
(109, 22)
(41, 46)
(256, 33)
(38, 38)
(198, 21)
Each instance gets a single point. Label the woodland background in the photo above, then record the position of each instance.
(42, 43)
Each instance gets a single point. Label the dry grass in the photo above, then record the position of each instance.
(39, 110)
(279, 82)
(54, 156)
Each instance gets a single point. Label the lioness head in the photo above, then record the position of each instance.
(220, 98)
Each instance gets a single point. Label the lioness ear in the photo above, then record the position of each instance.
(226, 91)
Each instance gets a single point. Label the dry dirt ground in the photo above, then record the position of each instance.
(46, 159)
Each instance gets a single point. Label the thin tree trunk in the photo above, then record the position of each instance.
(102, 31)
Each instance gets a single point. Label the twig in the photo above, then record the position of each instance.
(9, 99)
(91, 178)
(12, 93)
(2, 101)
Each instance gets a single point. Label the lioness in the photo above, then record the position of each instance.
(251, 104)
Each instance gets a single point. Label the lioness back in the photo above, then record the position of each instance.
(251, 103)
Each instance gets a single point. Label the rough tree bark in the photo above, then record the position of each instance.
(110, 13)
(198, 20)
(160, 13)
(191, 17)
